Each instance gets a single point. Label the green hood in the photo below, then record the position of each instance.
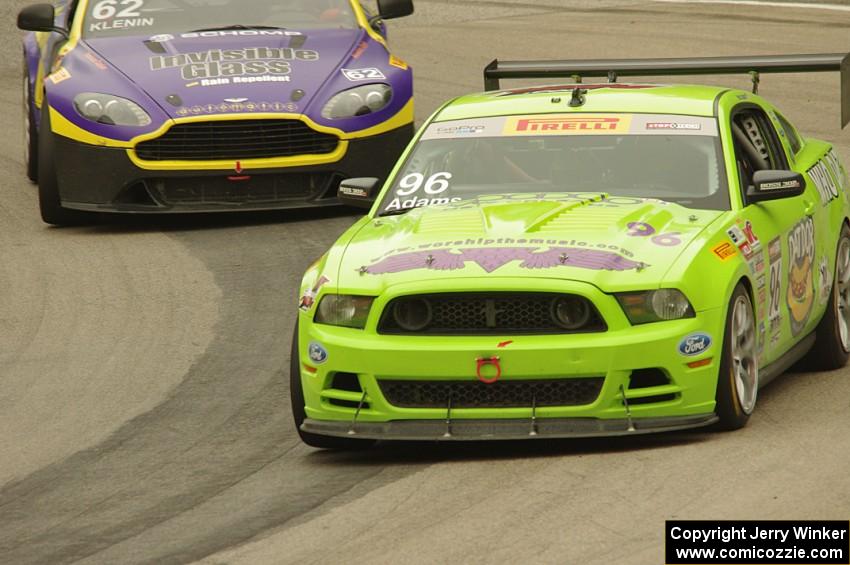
(592, 238)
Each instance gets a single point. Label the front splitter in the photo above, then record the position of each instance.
(479, 430)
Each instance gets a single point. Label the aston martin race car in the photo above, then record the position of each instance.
(581, 260)
(150, 106)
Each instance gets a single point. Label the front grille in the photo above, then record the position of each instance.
(237, 140)
(259, 189)
(487, 314)
(501, 394)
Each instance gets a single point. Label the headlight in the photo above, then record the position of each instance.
(344, 310)
(358, 101)
(655, 305)
(111, 110)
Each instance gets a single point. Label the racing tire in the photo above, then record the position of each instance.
(296, 396)
(48, 183)
(832, 336)
(30, 131)
(737, 379)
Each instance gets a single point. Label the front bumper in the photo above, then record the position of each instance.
(104, 179)
(479, 430)
(621, 356)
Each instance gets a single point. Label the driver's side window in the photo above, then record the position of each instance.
(757, 146)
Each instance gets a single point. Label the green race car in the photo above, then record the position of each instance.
(580, 260)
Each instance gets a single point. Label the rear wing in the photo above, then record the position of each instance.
(614, 68)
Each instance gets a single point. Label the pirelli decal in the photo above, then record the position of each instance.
(568, 124)
(577, 123)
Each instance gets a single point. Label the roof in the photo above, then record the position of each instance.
(692, 100)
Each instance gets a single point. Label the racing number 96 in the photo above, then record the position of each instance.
(437, 183)
(642, 229)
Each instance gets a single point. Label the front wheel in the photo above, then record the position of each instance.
(738, 379)
(49, 202)
(296, 396)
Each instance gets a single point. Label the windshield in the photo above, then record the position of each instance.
(112, 18)
(671, 158)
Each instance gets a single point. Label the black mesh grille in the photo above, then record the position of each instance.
(236, 140)
(491, 313)
(259, 189)
(502, 394)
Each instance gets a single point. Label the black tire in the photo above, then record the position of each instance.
(48, 183)
(296, 396)
(30, 131)
(734, 413)
(830, 351)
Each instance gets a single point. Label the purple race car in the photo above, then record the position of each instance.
(140, 106)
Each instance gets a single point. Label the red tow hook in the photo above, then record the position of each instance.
(488, 361)
(239, 177)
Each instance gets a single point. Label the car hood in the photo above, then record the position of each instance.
(612, 243)
(185, 76)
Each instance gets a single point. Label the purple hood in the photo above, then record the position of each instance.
(209, 75)
(230, 73)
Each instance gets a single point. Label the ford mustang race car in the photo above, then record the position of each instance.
(580, 260)
(141, 106)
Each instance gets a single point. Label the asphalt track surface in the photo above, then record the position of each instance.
(144, 410)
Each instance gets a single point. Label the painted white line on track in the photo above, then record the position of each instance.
(833, 7)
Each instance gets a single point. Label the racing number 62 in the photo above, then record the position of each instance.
(106, 9)
(437, 183)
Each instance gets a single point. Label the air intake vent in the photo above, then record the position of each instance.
(237, 140)
(649, 378)
(255, 189)
(502, 394)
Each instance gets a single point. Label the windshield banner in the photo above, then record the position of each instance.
(573, 124)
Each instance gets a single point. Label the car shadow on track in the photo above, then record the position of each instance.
(405, 453)
(177, 223)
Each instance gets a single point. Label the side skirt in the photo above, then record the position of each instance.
(788, 358)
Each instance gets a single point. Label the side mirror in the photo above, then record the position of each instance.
(359, 193)
(39, 17)
(775, 185)
(389, 9)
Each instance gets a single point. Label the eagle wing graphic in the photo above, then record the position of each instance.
(545, 259)
(441, 259)
(492, 258)
(445, 260)
(595, 259)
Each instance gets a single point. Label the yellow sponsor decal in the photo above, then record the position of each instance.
(60, 76)
(568, 124)
(725, 251)
(398, 63)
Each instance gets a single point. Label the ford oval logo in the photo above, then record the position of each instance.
(318, 354)
(695, 344)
